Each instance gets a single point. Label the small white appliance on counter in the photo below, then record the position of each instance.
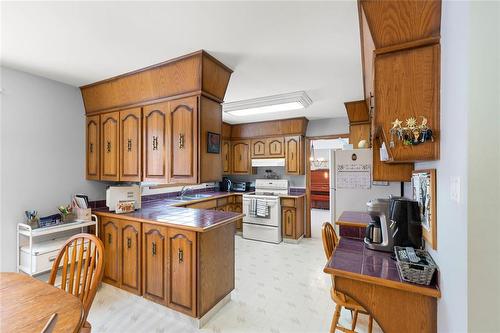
(351, 184)
(264, 228)
(268, 162)
(115, 194)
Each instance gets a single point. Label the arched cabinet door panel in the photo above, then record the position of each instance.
(183, 140)
(154, 125)
(240, 151)
(182, 270)
(155, 263)
(110, 129)
(110, 237)
(259, 148)
(226, 157)
(92, 148)
(131, 256)
(275, 147)
(130, 145)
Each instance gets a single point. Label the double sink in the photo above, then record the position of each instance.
(195, 196)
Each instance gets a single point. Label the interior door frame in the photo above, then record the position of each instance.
(308, 175)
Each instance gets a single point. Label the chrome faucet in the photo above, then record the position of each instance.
(184, 190)
(229, 184)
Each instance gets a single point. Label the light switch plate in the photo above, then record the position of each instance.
(455, 189)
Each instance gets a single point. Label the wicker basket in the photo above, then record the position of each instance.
(419, 273)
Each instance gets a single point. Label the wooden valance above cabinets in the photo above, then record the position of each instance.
(153, 124)
(268, 139)
(400, 45)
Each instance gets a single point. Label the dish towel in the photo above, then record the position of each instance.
(253, 207)
(262, 208)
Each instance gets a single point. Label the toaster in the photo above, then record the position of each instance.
(115, 194)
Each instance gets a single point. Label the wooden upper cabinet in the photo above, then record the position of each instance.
(275, 147)
(183, 140)
(367, 49)
(240, 151)
(294, 152)
(130, 145)
(398, 22)
(259, 148)
(407, 86)
(182, 270)
(155, 257)
(226, 156)
(268, 147)
(198, 71)
(110, 237)
(110, 147)
(131, 256)
(154, 134)
(92, 148)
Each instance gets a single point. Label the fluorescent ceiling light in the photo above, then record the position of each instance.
(269, 104)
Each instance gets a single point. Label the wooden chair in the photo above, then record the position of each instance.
(330, 242)
(82, 270)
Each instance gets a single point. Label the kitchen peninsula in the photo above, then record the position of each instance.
(179, 257)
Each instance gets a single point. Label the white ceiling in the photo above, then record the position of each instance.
(273, 47)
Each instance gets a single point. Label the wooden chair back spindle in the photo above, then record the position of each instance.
(330, 239)
(82, 258)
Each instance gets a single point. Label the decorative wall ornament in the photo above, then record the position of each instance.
(412, 133)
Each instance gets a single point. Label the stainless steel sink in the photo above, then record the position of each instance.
(193, 196)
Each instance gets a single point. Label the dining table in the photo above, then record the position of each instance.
(27, 304)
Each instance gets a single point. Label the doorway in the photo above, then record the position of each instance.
(319, 193)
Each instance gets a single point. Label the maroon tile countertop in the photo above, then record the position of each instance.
(164, 212)
(353, 260)
(354, 219)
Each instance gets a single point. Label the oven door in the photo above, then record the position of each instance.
(273, 219)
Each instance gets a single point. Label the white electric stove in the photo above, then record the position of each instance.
(268, 228)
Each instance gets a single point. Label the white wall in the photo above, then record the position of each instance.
(484, 168)
(42, 152)
(468, 252)
(328, 126)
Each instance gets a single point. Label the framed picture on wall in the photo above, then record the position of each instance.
(423, 184)
(213, 143)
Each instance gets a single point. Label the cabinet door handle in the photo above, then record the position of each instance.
(155, 142)
(129, 145)
(91, 147)
(129, 242)
(181, 141)
(181, 256)
(153, 248)
(109, 238)
(108, 146)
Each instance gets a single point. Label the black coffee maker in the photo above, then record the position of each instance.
(405, 214)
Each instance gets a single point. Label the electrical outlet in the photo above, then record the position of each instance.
(455, 189)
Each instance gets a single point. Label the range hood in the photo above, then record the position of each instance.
(268, 162)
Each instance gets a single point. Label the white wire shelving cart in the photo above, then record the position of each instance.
(38, 248)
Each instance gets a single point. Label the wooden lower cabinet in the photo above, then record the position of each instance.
(155, 258)
(288, 222)
(131, 256)
(182, 270)
(186, 270)
(110, 237)
(122, 253)
(292, 218)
